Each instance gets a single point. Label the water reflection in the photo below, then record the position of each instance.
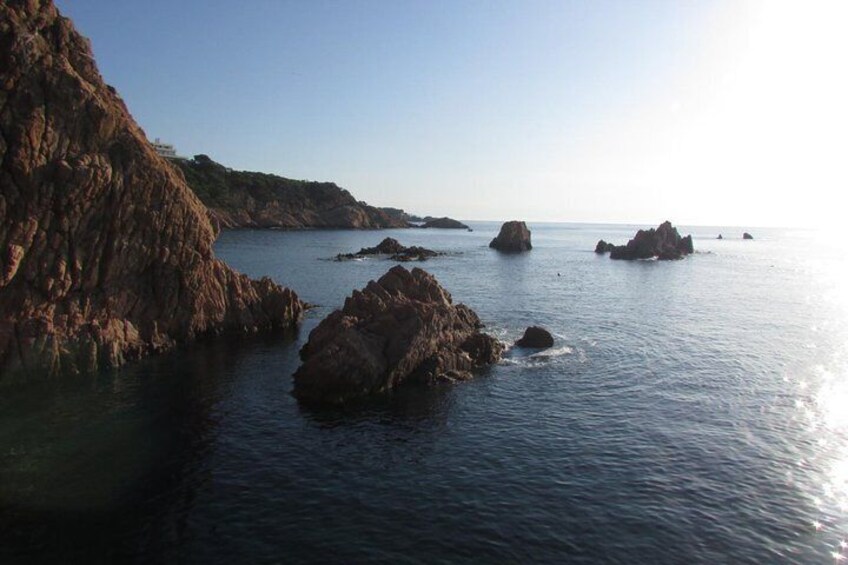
(102, 466)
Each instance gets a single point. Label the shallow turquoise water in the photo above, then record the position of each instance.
(692, 411)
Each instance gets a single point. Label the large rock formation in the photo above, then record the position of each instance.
(242, 199)
(402, 328)
(105, 253)
(394, 249)
(664, 243)
(514, 237)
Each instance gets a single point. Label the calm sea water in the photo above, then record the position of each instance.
(692, 411)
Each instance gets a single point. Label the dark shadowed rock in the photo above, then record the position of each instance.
(603, 247)
(400, 329)
(394, 249)
(105, 252)
(387, 246)
(514, 237)
(536, 337)
(246, 199)
(445, 223)
(746, 235)
(720, 236)
(664, 243)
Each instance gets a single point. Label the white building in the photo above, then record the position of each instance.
(165, 150)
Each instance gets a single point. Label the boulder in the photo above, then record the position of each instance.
(105, 252)
(746, 235)
(603, 247)
(402, 328)
(664, 243)
(536, 337)
(720, 236)
(514, 237)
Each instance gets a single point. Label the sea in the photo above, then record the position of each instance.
(691, 411)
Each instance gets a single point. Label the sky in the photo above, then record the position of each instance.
(724, 112)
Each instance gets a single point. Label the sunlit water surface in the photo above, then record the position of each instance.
(691, 411)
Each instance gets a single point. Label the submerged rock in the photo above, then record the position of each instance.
(664, 243)
(536, 337)
(400, 329)
(514, 237)
(746, 235)
(395, 249)
(105, 252)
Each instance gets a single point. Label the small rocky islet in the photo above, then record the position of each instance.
(663, 243)
(393, 249)
(514, 237)
(403, 328)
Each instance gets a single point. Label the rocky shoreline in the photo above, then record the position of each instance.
(105, 252)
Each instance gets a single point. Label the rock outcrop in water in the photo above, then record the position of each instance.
(664, 243)
(105, 253)
(394, 249)
(746, 235)
(536, 338)
(242, 199)
(445, 223)
(400, 329)
(603, 247)
(514, 237)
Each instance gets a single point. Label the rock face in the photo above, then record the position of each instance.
(603, 247)
(514, 237)
(536, 337)
(445, 223)
(105, 253)
(242, 199)
(395, 249)
(663, 243)
(402, 328)
(746, 235)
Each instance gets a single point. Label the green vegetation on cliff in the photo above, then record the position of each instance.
(250, 199)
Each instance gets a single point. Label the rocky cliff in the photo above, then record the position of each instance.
(241, 199)
(105, 253)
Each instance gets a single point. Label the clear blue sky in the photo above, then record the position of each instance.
(574, 111)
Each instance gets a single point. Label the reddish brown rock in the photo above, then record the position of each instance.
(664, 243)
(514, 237)
(402, 328)
(106, 255)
